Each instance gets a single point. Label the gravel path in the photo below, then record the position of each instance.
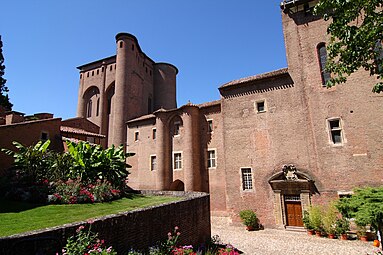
(275, 242)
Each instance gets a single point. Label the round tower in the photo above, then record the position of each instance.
(124, 62)
(165, 86)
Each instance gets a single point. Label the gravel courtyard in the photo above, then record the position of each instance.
(280, 242)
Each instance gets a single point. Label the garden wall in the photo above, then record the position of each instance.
(136, 229)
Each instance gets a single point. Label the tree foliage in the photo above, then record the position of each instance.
(4, 99)
(356, 36)
(366, 206)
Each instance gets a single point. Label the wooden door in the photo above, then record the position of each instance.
(294, 213)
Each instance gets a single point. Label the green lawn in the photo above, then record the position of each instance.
(17, 217)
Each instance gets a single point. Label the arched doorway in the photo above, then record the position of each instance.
(292, 191)
(177, 185)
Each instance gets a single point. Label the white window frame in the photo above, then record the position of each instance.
(212, 160)
(153, 166)
(180, 162)
(331, 130)
(247, 185)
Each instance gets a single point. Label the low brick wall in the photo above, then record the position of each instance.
(136, 229)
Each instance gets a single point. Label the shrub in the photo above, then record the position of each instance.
(329, 218)
(306, 220)
(342, 226)
(315, 216)
(249, 218)
(74, 192)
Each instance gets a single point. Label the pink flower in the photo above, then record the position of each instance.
(90, 221)
(80, 228)
(178, 233)
(176, 228)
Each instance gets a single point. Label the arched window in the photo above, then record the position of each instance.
(89, 109)
(322, 56)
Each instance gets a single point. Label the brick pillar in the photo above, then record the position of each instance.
(164, 176)
(191, 154)
(103, 108)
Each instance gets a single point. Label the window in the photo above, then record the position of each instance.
(121, 44)
(92, 73)
(211, 159)
(98, 71)
(177, 161)
(153, 162)
(154, 133)
(89, 109)
(132, 46)
(111, 68)
(209, 126)
(247, 179)
(136, 136)
(261, 106)
(322, 56)
(44, 136)
(87, 74)
(378, 50)
(98, 106)
(150, 108)
(335, 131)
(177, 128)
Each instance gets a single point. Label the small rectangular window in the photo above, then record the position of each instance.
(136, 136)
(44, 136)
(247, 179)
(211, 159)
(261, 106)
(335, 131)
(154, 133)
(209, 126)
(153, 162)
(177, 162)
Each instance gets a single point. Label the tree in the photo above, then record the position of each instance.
(356, 36)
(4, 99)
(366, 206)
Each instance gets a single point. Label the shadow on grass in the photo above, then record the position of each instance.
(8, 206)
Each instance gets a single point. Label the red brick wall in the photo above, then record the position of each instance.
(136, 229)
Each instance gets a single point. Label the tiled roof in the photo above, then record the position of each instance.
(144, 117)
(207, 104)
(79, 131)
(256, 77)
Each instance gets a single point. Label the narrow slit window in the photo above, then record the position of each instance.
(154, 133)
(322, 56)
(153, 163)
(136, 136)
(209, 126)
(98, 106)
(89, 109)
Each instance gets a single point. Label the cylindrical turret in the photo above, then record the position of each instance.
(165, 86)
(123, 41)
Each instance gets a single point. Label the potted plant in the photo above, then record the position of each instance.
(315, 216)
(342, 226)
(249, 219)
(329, 220)
(361, 232)
(307, 223)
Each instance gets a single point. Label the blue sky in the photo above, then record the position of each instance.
(210, 41)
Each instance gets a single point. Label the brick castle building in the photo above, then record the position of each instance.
(274, 142)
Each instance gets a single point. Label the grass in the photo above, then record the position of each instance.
(18, 217)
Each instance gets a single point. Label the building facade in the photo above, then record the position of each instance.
(274, 142)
